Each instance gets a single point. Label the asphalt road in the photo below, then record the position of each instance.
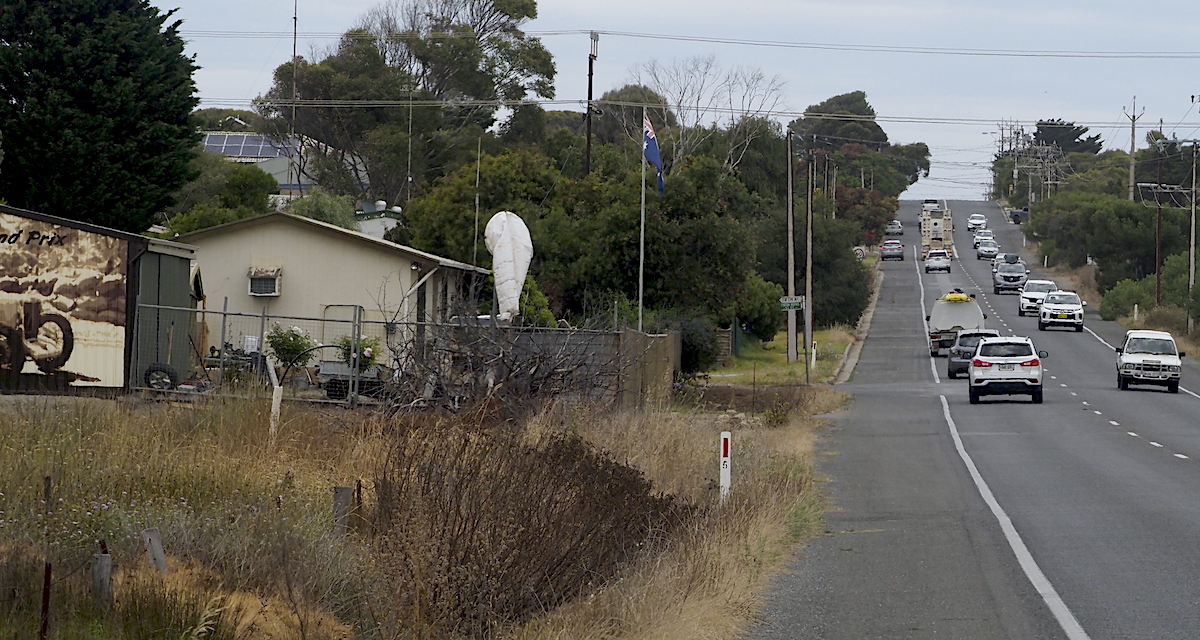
(1091, 522)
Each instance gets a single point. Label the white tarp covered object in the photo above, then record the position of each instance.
(508, 240)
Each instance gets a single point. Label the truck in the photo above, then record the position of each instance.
(937, 228)
(956, 311)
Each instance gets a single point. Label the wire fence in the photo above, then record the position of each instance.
(344, 358)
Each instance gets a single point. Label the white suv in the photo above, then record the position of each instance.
(1032, 294)
(1148, 357)
(1061, 308)
(982, 234)
(976, 221)
(937, 260)
(1005, 366)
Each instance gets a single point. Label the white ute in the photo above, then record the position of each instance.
(1061, 308)
(1148, 357)
(1032, 294)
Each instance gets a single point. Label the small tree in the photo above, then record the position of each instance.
(326, 207)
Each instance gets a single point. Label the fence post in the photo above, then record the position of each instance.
(221, 363)
(342, 497)
(725, 470)
(102, 579)
(262, 342)
(154, 549)
(355, 355)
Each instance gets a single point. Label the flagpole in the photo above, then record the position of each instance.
(642, 234)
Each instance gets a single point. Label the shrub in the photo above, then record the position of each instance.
(370, 350)
(286, 344)
(1119, 300)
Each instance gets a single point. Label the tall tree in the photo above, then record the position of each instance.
(1069, 136)
(95, 104)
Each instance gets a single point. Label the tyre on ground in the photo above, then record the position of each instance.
(160, 377)
(1122, 382)
(1037, 395)
(974, 395)
(1173, 386)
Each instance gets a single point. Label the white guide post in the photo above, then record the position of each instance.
(725, 477)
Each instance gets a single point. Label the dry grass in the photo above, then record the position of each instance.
(246, 520)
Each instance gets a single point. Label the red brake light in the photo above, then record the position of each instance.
(1031, 363)
(980, 363)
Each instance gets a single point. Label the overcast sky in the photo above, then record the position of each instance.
(977, 89)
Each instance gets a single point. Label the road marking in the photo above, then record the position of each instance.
(1074, 394)
(1052, 377)
(1181, 456)
(1114, 423)
(1097, 413)
(1085, 403)
(1062, 614)
(1189, 392)
(932, 361)
(1153, 443)
(1133, 434)
(1062, 385)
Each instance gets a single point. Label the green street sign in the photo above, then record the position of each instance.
(791, 303)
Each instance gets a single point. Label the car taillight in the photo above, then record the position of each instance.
(980, 363)
(1031, 363)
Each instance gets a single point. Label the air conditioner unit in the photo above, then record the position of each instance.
(264, 282)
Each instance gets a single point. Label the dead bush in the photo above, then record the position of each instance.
(481, 529)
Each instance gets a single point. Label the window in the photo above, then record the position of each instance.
(1005, 349)
(264, 282)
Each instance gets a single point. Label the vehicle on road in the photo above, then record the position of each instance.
(1148, 357)
(1032, 294)
(976, 221)
(1002, 257)
(891, 250)
(987, 249)
(894, 228)
(982, 234)
(1005, 366)
(1061, 309)
(952, 313)
(958, 360)
(1009, 276)
(937, 260)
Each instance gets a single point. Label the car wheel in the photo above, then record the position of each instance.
(1037, 395)
(1078, 328)
(1173, 386)
(1122, 383)
(974, 395)
(926, 269)
(933, 354)
(1021, 312)
(951, 374)
(1041, 326)
(996, 291)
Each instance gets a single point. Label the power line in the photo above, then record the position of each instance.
(817, 46)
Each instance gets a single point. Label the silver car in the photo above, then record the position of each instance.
(1009, 277)
(891, 250)
(987, 249)
(959, 359)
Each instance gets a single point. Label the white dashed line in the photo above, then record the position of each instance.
(1052, 377)
(1098, 413)
(1114, 423)
(1062, 385)
(1153, 443)
(1074, 394)
(1133, 434)
(1181, 456)
(1085, 403)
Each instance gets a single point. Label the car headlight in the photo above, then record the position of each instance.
(1173, 369)
(1127, 366)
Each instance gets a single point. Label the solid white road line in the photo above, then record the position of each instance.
(932, 361)
(1062, 614)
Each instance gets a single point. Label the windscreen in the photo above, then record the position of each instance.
(1156, 346)
(1062, 298)
(1039, 287)
(1011, 268)
(1006, 349)
(971, 340)
(987, 244)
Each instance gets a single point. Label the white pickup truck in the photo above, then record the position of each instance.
(1148, 357)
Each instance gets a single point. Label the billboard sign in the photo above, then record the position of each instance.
(63, 305)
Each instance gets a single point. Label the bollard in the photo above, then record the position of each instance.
(725, 470)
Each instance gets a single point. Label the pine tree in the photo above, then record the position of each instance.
(95, 99)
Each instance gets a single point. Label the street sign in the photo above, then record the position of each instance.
(791, 303)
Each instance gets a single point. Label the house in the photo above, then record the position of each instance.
(281, 268)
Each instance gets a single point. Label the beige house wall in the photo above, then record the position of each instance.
(323, 274)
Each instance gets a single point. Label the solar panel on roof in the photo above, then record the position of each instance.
(216, 139)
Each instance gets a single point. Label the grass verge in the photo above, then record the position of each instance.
(246, 523)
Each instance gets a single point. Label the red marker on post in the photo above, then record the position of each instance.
(725, 475)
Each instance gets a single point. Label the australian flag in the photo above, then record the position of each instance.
(650, 148)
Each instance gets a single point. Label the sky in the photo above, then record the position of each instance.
(950, 101)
